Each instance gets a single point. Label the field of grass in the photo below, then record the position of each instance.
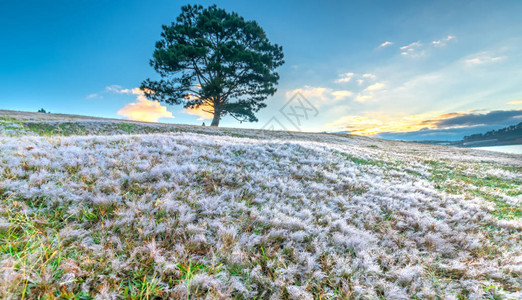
(106, 209)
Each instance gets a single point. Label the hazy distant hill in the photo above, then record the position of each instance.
(506, 136)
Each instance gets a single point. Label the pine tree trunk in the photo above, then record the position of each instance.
(215, 121)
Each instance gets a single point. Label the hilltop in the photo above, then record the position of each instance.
(93, 207)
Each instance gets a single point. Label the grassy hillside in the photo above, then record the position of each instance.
(106, 208)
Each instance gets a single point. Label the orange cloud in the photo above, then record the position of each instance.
(145, 110)
(514, 102)
(203, 111)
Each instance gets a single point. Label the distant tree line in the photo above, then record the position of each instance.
(509, 133)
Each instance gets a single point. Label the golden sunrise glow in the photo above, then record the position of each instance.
(203, 111)
(372, 125)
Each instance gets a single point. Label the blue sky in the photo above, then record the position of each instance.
(395, 69)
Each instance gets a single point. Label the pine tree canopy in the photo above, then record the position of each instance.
(213, 60)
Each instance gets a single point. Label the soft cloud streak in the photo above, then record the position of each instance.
(411, 49)
(375, 86)
(444, 41)
(346, 77)
(338, 95)
(120, 90)
(322, 93)
(368, 92)
(515, 102)
(387, 43)
(482, 59)
(93, 95)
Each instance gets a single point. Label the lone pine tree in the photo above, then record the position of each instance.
(213, 60)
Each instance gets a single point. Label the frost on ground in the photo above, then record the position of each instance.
(174, 211)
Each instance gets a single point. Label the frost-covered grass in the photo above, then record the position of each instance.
(114, 209)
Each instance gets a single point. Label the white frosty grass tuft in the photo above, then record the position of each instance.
(214, 216)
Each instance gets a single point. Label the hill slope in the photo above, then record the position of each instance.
(99, 208)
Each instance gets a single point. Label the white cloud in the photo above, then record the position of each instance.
(444, 41)
(338, 95)
(145, 110)
(345, 77)
(411, 49)
(387, 43)
(483, 58)
(114, 88)
(412, 45)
